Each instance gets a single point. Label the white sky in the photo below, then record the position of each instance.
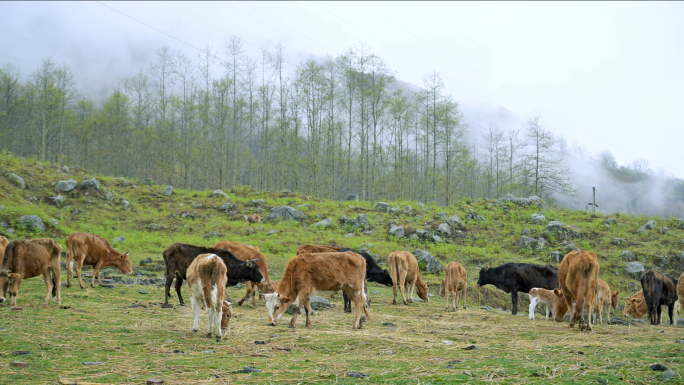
(608, 76)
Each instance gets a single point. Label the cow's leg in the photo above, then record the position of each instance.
(463, 294)
(359, 304)
(514, 300)
(69, 263)
(413, 287)
(179, 284)
(218, 314)
(79, 267)
(48, 284)
(347, 302)
(547, 310)
(307, 310)
(454, 299)
(250, 290)
(96, 271)
(210, 320)
(394, 291)
(296, 305)
(608, 313)
(446, 298)
(402, 284)
(167, 289)
(197, 310)
(533, 305)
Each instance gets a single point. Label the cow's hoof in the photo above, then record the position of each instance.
(240, 303)
(194, 330)
(68, 285)
(208, 335)
(167, 306)
(292, 326)
(464, 307)
(270, 324)
(218, 339)
(182, 303)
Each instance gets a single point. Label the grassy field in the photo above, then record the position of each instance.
(136, 338)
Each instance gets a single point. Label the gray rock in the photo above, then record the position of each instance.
(353, 197)
(432, 264)
(109, 197)
(219, 193)
(33, 199)
(561, 231)
(59, 199)
(618, 241)
(422, 233)
(89, 184)
(125, 204)
(142, 291)
(455, 222)
(555, 256)
(627, 255)
(9, 231)
(286, 213)
(444, 229)
(635, 269)
(119, 239)
(4, 225)
(642, 231)
(395, 209)
(320, 303)
(196, 206)
(226, 207)
(271, 232)
(16, 180)
(367, 232)
(533, 200)
(323, 223)
(53, 222)
(32, 222)
(348, 235)
(257, 202)
(472, 215)
(65, 185)
(567, 247)
(669, 374)
(441, 215)
(397, 231)
(535, 245)
(167, 191)
(303, 206)
(610, 221)
(429, 223)
(211, 234)
(437, 239)
(650, 225)
(414, 236)
(382, 207)
(622, 321)
(344, 220)
(537, 218)
(659, 260)
(678, 223)
(2, 207)
(361, 222)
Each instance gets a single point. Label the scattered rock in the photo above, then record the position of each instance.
(437, 239)
(353, 197)
(271, 232)
(58, 200)
(109, 197)
(91, 363)
(89, 184)
(432, 265)
(53, 222)
(361, 222)
(382, 207)
(142, 291)
(348, 235)
(537, 218)
(455, 222)
(650, 225)
(678, 223)
(635, 269)
(535, 245)
(471, 347)
(226, 207)
(257, 203)
(473, 216)
(555, 255)
(303, 206)
(286, 213)
(16, 180)
(156, 227)
(397, 231)
(247, 369)
(622, 321)
(610, 221)
(196, 206)
(32, 222)
(533, 200)
(126, 205)
(441, 215)
(618, 241)
(669, 374)
(561, 231)
(357, 375)
(324, 223)
(219, 193)
(444, 229)
(658, 367)
(467, 373)
(211, 234)
(22, 353)
(167, 191)
(388, 324)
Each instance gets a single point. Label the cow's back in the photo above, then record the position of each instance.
(30, 258)
(245, 253)
(93, 246)
(307, 249)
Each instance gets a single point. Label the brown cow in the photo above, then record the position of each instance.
(254, 218)
(454, 281)
(28, 259)
(3, 245)
(207, 283)
(545, 296)
(403, 268)
(250, 253)
(635, 305)
(227, 309)
(604, 296)
(93, 250)
(577, 275)
(305, 249)
(308, 273)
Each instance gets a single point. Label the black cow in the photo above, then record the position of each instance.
(373, 274)
(515, 277)
(659, 289)
(179, 256)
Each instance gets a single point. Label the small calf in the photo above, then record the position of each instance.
(547, 297)
(226, 309)
(453, 284)
(254, 218)
(207, 282)
(604, 296)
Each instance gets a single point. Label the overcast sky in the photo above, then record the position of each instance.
(609, 76)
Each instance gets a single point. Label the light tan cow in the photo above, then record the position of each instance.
(636, 306)
(318, 272)
(577, 275)
(254, 218)
(547, 297)
(93, 250)
(250, 253)
(604, 296)
(403, 268)
(207, 282)
(455, 281)
(28, 259)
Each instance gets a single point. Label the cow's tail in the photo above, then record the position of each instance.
(212, 270)
(8, 255)
(585, 294)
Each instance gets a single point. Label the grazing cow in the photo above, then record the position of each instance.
(404, 269)
(254, 218)
(207, 282)
(306, 249)
(547, 297)
(3, 245)
(659, 290)
(28, 259)
(373, 274)
(93, 250)
(604, 296)
(250, 253)
(179, 256)
(514, 277)
(680, 291)
(636, 305)
(308, 273)
(455, 281)
(577, 275)
(227, 312)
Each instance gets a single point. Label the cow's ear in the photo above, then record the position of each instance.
(127, 253)
(633, 300)
(557, 292)
(121, 257)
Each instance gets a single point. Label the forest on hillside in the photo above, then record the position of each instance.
(329, 128)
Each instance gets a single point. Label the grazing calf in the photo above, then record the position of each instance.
(322, 272)
(179, 256)
(604, 296)
(28, 259)
(547, 297)
(306, 249)
(519, 277)
(227, 312)
(636, 305)
(207, 282)
(453, 283)
(373, 274)
(254, 218)
(404, 269)
(577, 275)
(250, 253)
(659, 289)
(93, 250)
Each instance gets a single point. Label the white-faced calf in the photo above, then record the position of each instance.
(207, 282)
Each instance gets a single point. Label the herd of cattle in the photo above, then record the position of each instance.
(573, 287)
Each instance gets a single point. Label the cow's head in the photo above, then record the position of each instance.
(9, 282)
(226, 308)
(380, 276)
(276, 306)
(423, 291)
(123, 263)
(442, 288)
(631, 306)
(253, 274)
(614, 299)
(561, 305)
(484, 276)
(267, 287)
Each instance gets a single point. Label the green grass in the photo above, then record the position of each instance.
(137, 343)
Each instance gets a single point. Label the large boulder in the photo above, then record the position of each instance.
(219, 193)
(324, 223)
(361, 222)
(432, 264)
(397, 231)
(89, 184)
(635, 269)
(444, 229)
(535, 245)
(16, 180)
(382, 207)
(531, 201)
(286, 213)
(561, 231)
(167, 191)
(32, 222)
(65, 185)
(455, 222)
(317, 304)
(537, 218)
